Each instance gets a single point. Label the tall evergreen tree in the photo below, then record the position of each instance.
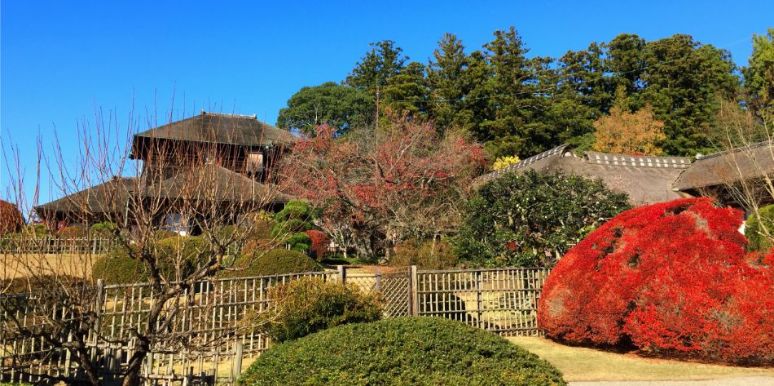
(446, 76)
(508, 130)
(408, 92)
(683, 80)
(381, 63)
(759, 77)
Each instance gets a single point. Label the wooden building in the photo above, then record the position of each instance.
(651, 179)
(210, 158)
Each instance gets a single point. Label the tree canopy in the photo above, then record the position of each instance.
(517, 104)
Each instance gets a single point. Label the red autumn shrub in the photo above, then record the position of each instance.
(11, 219)
(320, 242)
(670, 279)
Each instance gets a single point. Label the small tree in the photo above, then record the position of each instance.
(175, 183)
(403, 182)
(530, 219)
(627, 132)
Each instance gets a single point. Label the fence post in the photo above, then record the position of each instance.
(342, 273)
(236, 369)
(478, 298)
(413, 292)
(378, 280)
(98, 312)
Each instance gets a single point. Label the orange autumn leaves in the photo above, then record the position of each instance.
(625, 132)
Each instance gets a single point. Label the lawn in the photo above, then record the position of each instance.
(585, 364)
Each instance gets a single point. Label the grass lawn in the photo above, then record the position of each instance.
(585, 364)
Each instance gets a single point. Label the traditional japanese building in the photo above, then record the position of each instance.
(651, 179)
(210, 158)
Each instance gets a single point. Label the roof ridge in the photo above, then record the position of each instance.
(739, 148)
(253, 116)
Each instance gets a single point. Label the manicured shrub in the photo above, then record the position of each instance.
(273, 262)
(319, 244)
(523, 219)
(305, 306)
(670, 279)
(181, 255)
(426, 255)
(73, 231)
(103, 229)
(759, 229)
(400, 351)
(11, 219)
(117, 267)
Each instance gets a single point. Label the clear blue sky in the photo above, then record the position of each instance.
(63, 59)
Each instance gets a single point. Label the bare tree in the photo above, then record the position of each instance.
(189, 187)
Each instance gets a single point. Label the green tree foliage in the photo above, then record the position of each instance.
(291, 224)
(384, 61)
(515, 104)
(759, 229)
(525, 219)
(683, 79)
(401, 351)
(759, 77)
(408, 92)
(450, 78)
(340, 106)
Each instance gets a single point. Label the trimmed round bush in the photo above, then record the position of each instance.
(273, 262)
(670, 279)
(308, 305)
(757, 226)
(400, 351)
(185, 251)
(116, 267)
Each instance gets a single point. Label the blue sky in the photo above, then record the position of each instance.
(62, 60)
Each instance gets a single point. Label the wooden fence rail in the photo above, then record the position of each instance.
(56, 245)
(210, 318)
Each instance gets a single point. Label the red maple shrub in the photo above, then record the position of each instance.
(668, 279)
(11, 219)
(320, 242)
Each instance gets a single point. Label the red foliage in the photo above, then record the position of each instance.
(11, 219)
(397, 181)
(320, 242)
(671, 279)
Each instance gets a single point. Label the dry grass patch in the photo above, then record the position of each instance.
(585, 364)
(20, 265)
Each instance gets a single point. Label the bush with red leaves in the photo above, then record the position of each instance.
(320, 242)
(11, 219)
(669, 279)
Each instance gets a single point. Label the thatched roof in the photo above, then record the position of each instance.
(207, 183)
(216, 128)
(726, 167)
(107, 197)
(211, 182)
(646, 179)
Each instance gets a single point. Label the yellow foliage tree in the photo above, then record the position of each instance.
(627, 132)
(503, 162)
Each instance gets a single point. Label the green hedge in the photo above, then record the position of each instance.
(117, 267)
(755, 226)
(308, 305)
(401, 351)
(273, 262)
